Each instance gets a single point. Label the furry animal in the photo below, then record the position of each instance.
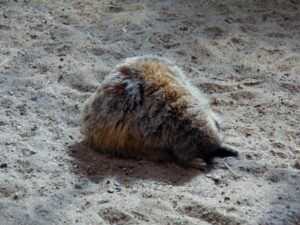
(147, 108)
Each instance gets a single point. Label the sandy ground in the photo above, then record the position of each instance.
(244, 54)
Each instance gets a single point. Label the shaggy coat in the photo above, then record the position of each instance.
(147, 108)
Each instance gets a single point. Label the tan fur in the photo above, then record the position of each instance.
(114, 139)
(160, 75)
(119, 142)
(148, 109)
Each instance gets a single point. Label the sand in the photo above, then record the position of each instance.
(245, 55)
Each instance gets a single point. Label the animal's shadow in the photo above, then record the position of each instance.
(97, 166)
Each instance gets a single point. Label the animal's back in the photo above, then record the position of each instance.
(162, 73)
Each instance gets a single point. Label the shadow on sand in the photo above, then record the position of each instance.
(96, 167)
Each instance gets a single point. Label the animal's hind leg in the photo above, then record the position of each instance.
(225, 151)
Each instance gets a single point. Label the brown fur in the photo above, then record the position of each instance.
(148, 109)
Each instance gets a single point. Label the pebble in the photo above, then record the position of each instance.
(3, 165)
(110, 190)
(15, 197)
(226, 199)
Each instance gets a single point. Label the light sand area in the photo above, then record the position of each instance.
(245, 55)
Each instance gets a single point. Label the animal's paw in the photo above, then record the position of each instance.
(197, 163)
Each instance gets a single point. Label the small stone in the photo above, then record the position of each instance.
(3, 165)
(15, 197)
(217, 180)
(193, 57)
(110, 190)
(226, 199)
(248, 156)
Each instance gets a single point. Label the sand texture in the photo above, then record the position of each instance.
(245, 55)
